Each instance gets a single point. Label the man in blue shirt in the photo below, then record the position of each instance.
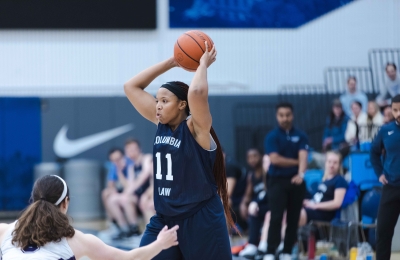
(387, 145)
(287, 148)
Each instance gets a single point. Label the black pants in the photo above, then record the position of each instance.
(235, 212)
(283, 195)
(389, 210)
(256, 223)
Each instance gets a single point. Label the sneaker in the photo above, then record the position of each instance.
(260, 255)
(249, 251)
(285, 257)
(280, 247)
(134, 230)
(263, 246)
(121, 235)
(269, 257)
(236, 249)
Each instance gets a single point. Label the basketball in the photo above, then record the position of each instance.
(189, 48)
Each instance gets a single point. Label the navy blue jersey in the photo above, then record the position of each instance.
(183, 177)
(258, 184)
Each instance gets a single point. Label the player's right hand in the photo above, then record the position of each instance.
(209, 56)
(168, 237)
(383, 179)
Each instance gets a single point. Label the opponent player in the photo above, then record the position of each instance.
(188, 163)
(43, 231)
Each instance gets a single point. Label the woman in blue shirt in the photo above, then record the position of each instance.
(329, 197)
(336, 124)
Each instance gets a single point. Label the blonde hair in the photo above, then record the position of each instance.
(340, 163)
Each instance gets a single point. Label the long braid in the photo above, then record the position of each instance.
(220, 178)
(218, 170)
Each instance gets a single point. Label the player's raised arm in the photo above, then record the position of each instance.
(92, 247)
(144, 102)
(198, 96)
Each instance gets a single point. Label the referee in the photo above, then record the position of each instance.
(287, 148)
(387, 144)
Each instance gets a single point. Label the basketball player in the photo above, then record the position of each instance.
(188, 163)
(43, 231)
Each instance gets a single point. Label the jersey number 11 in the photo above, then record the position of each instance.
(169, 167)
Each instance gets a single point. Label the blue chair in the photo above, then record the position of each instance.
(369, 212)
(362, 172)
(312, 178)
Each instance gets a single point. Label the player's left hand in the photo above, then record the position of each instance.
(253, 208)
(209, 57)
(310, 205)
(297, 179)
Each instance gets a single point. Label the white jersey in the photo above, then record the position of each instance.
(50, 251)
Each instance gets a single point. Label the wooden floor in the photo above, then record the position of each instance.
(100, 225)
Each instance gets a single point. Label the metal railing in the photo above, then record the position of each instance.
(378, 58)
(336, 79)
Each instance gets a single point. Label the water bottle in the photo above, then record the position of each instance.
(353, 253)
(311, 246)
(370, 257)
(295, 252)
(323, 257)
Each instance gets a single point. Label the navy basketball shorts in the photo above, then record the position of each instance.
(202, 236)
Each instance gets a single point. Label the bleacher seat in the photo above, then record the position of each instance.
(361, 171)
(312, 178)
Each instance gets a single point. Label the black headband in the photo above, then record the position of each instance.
(176, 89)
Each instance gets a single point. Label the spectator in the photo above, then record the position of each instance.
(335, 128)
(329, 197)
(118, 181)
(374, 122)
(140, 184)
(391, 86)
(287, 148)
(124, 206)
(386, 145)
(236, 178)
(258, 207)
(365, 127)
(351, 95)
(359, 118)
(387, 115)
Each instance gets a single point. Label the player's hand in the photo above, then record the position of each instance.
(173, 62)
(310, 205)
(297, 179)
(168, 237)
(383, 179)
(243, 210)
(253, 208)
(209, 57)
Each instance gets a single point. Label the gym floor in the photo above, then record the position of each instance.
(97, 225)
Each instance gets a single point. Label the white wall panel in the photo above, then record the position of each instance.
(250, 61)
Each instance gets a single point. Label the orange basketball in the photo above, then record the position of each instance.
(189, 48)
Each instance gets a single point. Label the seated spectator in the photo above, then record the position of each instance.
(140, 184)
(364, 129)
(391, 86)
(351, 95)
(236, 179)
(387, 115)
(359, 118)
(324, 203)
(329, 197)
(118, 181)
(123, 207)
(256, 193)
(374, 123)
(335, 128)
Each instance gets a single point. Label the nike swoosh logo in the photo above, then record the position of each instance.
(390, 132)
(65, 148)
